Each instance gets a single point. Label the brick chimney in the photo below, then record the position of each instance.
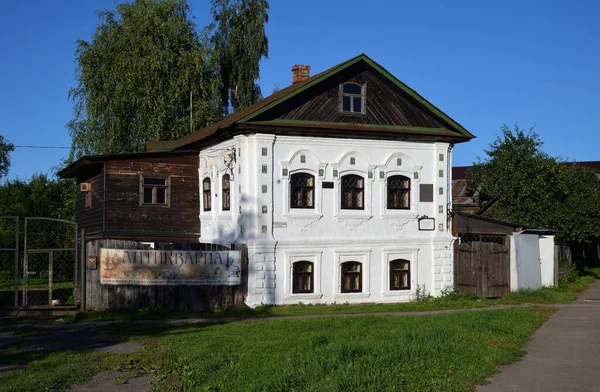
(300, 73)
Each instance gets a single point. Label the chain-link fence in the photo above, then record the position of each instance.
(50, 262)
(10, 267)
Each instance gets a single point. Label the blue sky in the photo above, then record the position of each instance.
(483, 64)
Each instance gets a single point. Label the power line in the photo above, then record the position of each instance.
(40, 147)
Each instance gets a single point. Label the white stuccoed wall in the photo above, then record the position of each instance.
(328, 235)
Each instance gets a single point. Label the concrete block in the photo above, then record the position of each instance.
(437, 270)
(259, 284)
(437, 261)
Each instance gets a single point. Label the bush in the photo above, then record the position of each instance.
(595, 272)
(449, 293)
(570, 276)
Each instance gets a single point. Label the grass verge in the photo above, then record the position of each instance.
(566, 292)
(448, 352)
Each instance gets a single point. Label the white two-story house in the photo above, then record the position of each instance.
(339, 186)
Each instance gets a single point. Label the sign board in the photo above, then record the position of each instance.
(427, 224)
(165, 267)
(92, 262)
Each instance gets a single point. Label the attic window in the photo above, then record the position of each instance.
(352, 98)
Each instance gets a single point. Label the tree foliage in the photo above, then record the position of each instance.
(239, 42)
(5, 149)
(39, 196)
(536, 189)
(145, 59)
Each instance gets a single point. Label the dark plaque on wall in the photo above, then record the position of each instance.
(327, 184)
(426, 193)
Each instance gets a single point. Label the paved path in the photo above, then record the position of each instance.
(564, 354)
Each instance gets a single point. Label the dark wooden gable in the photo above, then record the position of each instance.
(385, 103)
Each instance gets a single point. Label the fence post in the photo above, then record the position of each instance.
(16, 262)
(83, 269)
(25, 275)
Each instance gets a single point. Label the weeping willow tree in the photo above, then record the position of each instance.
(239, 41)
(148, 74)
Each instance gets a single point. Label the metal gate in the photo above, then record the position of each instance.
(9, 261)
(482, 265)
(49, 265)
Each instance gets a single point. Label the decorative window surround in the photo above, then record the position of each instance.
(302, 217)
(361, 167)
(399, 218)
(389, 254)
(292, 257)
(361, 256)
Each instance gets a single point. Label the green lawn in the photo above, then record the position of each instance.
(448, 352)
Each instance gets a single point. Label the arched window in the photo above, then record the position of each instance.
(303, 276)
(302, 190)
(352, 98)
(398, 193)
(206, 193)
(351, 277)
(399, 275)
(353, 192)
(225, 188)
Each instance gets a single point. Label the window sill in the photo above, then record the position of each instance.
(398, 293)
(155, 205)
(352, 295)
(348, 113)
(306, 214)
(298, 296)
(399, 214)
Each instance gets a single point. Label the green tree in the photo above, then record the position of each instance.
(135, 78)
(239, 42)
(536, 189)
(5, 149)
(147, 73)
(40, 196)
